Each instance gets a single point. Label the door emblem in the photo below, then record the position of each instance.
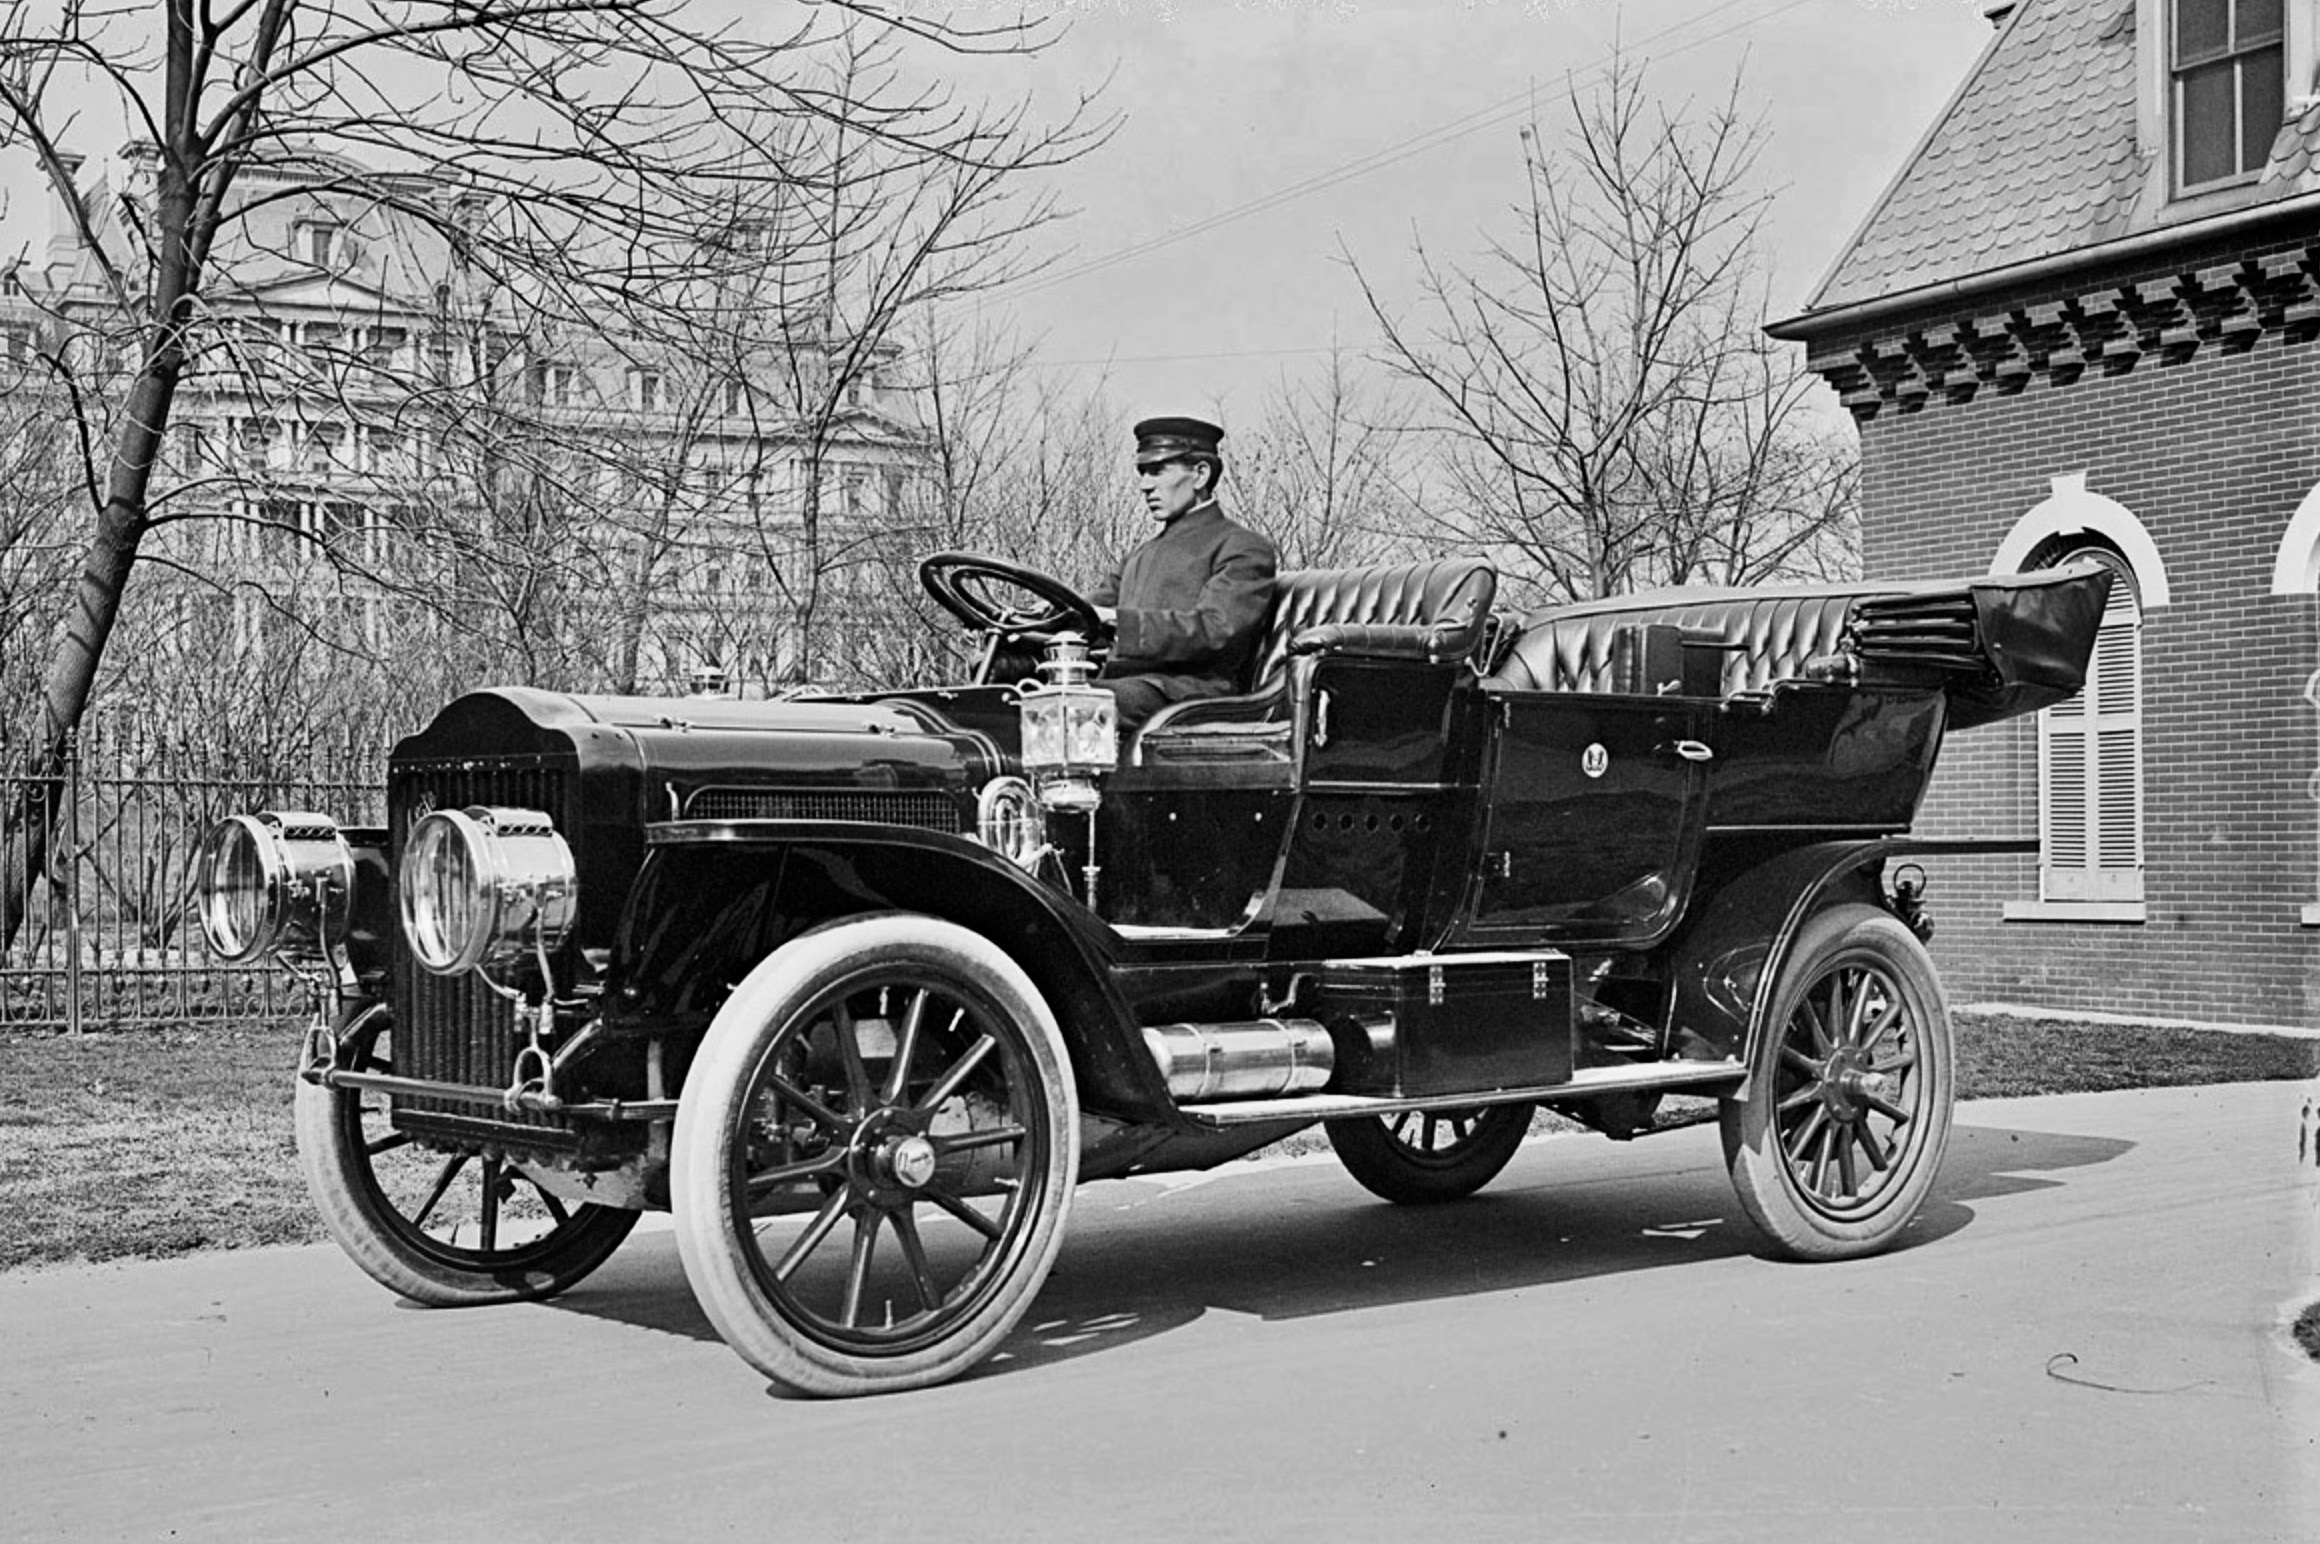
(1595, 760)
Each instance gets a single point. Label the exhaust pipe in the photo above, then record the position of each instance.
(1250, 1059)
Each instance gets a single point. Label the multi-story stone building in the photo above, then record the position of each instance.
(2084, 322)
(368, 411)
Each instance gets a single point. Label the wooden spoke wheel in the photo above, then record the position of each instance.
(874, 1156)
(1416, 1156)
(1849, 1093)
(449, 1229)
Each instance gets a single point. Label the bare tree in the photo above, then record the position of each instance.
(36, 539)
(1017, 464)
(570, 154)
(1611, 414)
(1328, 473)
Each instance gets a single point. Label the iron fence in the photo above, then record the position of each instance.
(108, 936)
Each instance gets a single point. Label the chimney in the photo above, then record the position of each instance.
(64, 230)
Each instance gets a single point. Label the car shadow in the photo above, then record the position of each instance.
(1148, 1256)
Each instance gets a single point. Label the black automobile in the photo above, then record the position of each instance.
(861, 988)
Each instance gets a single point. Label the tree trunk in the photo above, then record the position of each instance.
(27, 830)
(72, 677)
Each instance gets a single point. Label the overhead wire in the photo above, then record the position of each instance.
(1491, 115)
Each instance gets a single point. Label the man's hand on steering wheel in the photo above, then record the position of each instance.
(995, 596)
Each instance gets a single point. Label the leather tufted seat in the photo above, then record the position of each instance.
(1766, 635)
(1434, 611)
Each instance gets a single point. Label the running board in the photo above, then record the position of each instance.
(1583, 1083)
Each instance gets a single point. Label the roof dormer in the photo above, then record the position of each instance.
(2224, 106)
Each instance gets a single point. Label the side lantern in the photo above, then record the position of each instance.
(484, 887)
(277, 882)
(1071, 728)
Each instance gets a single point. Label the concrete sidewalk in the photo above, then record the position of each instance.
(2088, 1342)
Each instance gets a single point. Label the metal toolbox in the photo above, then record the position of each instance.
(1414, 1025)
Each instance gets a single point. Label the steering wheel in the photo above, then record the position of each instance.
(976, 590)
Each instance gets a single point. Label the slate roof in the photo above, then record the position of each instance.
(2035, 156)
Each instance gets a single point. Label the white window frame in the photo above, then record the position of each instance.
(2156, 118)
(2178, 142)
(2096, 815)
(558, 382)
(2074, 521)
(318, 242)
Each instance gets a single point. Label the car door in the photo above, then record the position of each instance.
(1591, 815)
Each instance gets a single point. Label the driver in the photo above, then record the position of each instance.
(1187, 606)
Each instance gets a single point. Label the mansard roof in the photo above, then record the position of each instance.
(2034, 158)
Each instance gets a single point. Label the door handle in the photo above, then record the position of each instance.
(1690, 750)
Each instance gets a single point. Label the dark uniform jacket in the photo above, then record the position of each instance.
(1191, 602)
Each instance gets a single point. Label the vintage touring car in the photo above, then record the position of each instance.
(860, 988)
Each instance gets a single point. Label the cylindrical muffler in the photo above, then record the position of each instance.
(1251, 1059)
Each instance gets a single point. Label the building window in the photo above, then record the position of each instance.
(499, 347)
(339, 524)
(322, 448)
(259, 439)
(2090, 760)
(555, 385)
(381, 345)
(384, 453)
(320, 243)
(2230, 88)
(647, 390)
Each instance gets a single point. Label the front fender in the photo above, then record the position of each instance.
(713, 898)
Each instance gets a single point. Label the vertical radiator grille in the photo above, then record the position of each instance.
(455, 1029)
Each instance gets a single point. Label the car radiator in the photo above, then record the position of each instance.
(456, 1029)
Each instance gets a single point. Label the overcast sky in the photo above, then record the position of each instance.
(1397, 117)
(1233, 103)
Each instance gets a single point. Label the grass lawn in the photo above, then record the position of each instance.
(163, 1142)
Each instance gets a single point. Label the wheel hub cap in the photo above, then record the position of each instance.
(911, 1161)
(1850, 1083)
(1870, 1086)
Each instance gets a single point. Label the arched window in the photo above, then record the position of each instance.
(2090, 753)
(2296, 568)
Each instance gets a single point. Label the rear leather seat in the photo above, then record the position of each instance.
(1766, 636)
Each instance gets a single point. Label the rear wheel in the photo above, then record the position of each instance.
(450, 1229)
(874, 1156)
(1849, 1094)
(1416, 1156)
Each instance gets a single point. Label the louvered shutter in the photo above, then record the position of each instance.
(2091, 765)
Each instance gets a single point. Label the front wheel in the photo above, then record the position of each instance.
(874, 1156)
(1849, 1093)
(449, 1229)
(1416, 1156)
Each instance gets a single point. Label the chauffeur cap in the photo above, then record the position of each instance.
(1165, 439)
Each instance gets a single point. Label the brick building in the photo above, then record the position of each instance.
(2084, 321)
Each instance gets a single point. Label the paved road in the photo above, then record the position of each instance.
(2087, 1343)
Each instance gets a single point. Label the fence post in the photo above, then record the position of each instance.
(71, 881)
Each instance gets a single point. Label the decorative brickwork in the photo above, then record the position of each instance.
(2054, 339)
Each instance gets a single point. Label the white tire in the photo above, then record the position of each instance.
(874, 1156)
